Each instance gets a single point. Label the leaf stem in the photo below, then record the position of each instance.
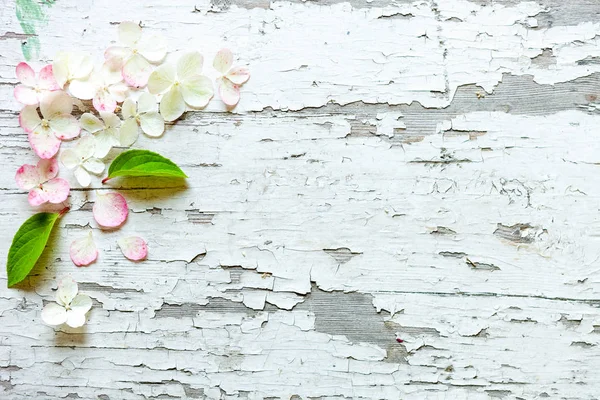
(63, 211)
(105, 179)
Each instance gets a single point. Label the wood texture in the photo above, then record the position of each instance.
(423, 171)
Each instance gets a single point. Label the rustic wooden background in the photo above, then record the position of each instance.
(423, 170)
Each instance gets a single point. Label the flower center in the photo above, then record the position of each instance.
(45, 124)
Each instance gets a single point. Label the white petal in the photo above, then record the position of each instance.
(69, 158)
(152, 124)
(67, 290)
(147, 103)
(83, 89)
(91, 123)
(161, 79)
(118, 91)
(229, 92)
(94, 165)
(82, 176)
(153, 48)
(128, 109)
(75, 319)
(223, 61)
(197, 90)
(136, 71)
(82, 303)
(80, 65)
(55, 103)
(60, 68)
(105, 141)
(85, 147)
(129, 33)
(110, 120)
(128, 133)
(29, 118)
(53, 314)
(189, 64)
(65, 126)
(172, 105)
(110, 73)
(83, 250)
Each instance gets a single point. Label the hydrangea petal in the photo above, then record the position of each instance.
(26, 95)
(147, 103)
(46, 80)
(118, 91)
(189, 64)
(128, 133)
(134, 248)
(103, 101)
(27, 177)
(94, 166)
(43, 142)
(86, 147)
(129, 33)
(80, 65)
(136, 71)
(91, 123)
(60, 70)
(83, 250)
(56, 190)
(110, 120)
(82, 176)
(161, 79)
(238, 75)
(153, 48)
(228, 91)
(66, 292)
(69, 158)
(75, 319)
(152, 123)
(65, 126)
(197, 91)
(82, 303)
(110, 210)
(83, 89)
(56, 103)
(223, 61)
(54, 314)
(37, 197)
(172, 105)
(29, 119)
(47, 169)
(128, 109)
(116, 56)
(105, 140)
(25, 74)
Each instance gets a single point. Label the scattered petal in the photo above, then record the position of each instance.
(43, 142)
(83, 251)
(238, 75)
(136, 71)
(161, 79)
(228, 91)
(110, 210)
(152, 123)
(197, 91)
(67, 290)
(133, 248)
(172, 105)
(54, 314)
(223, 61)
(189, 65)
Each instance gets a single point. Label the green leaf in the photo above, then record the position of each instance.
(28, 244)
(143, 163)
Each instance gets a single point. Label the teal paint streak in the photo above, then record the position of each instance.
(31, 16)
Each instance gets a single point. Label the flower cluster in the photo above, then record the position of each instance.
(131, 90)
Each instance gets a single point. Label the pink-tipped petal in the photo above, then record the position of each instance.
(65, 126)
(133, 248)
(25, 74)
(56, 103)
(104, 102)
(27, 177)
(37, 197)
(29, 119)
(44, 142)
(229, 91)
(238, 75)
(47, 169)
(56, 190)
(46, 80)
(223, 61)
(116, 56)
(129, 33)
(110, 210)
(83, 251)
(136, 71)
(26, 95)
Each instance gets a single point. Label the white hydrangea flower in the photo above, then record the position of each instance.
(105, 87)
(70, 307)
(143, 114)
(231, 78)
(81, 158)
(136, 54)
(106, 131)
(181, 85)
(71, 66)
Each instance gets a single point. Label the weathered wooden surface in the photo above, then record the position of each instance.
(423, 170)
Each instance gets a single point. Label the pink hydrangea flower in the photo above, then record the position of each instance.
(136, 53)
(104, 87)
(42, 182)
(228, 84)
(57, 123)
(32, 90)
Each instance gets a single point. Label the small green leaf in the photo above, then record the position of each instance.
(143, 163)
(28, 244)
